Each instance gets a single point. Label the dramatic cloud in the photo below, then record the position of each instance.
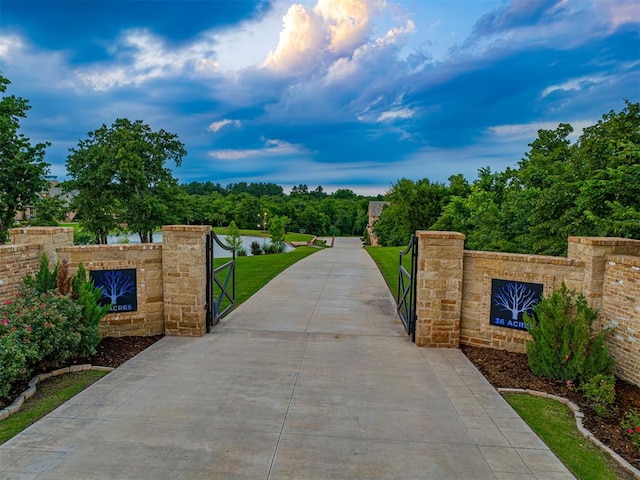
(349, 93)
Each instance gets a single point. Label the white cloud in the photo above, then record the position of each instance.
(576, 84)
(301, 38)
(347, 22)
(219, 125)
(529, 131)
(9, 44)
(400, 113)
(271, 148)
(142, 56)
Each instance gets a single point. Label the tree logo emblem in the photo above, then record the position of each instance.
(510, 300)
(118, 288)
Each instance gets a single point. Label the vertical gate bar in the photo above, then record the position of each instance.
(209, 287)
(414, 284)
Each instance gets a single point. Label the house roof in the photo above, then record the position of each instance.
(375, 208)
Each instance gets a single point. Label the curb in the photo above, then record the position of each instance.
(31, 390)
(578, 415)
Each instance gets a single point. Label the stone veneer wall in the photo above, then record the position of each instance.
(454, 291)
(171, 277)
(481, 267)
(147, 260)
(16, 261)
(621, 309)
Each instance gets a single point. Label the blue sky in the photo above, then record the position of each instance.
(339, 93)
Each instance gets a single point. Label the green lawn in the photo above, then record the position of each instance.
(252, 273)
(50, 394)
(387, 259)
(556, 426)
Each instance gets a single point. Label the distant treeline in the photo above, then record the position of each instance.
(590, 188)
(313, 211)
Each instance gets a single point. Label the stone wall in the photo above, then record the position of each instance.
(148, 319)
(16, 261)
(453, 298)
(170, 277)
(481, 267)
(621, 310)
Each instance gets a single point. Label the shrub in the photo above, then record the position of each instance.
(88, 297)
(241, 252)
(600, 393)
(631, 425)
(255, 248)
(12, 359)
(44, 280)
(563, 345)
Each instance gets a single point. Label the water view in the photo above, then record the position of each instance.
(219, 252)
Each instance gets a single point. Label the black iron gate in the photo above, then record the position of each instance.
(221, 282)
(408, 266)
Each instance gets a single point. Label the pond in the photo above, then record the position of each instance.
(219, 252)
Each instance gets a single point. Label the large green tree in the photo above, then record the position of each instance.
(23, 170)
(121, 178)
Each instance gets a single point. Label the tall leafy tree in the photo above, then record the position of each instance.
(121, 177)
(23, 170)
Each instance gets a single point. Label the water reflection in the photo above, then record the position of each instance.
(219, 252)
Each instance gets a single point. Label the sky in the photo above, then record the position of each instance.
(338, 93)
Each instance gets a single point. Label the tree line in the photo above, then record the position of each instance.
(590, 187)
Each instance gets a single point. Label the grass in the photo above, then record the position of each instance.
(387, 259)
(253, 273)
(555, 425)
(50, 394)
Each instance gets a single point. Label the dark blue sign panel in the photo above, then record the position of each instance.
(509, 300)
(119, 288)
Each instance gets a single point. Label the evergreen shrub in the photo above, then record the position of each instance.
(563, 345)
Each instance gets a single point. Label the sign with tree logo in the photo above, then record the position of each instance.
(118, 288)
(510, 300)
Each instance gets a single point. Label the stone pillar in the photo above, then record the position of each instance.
(184, 279)
(439, 288)
(49, 239)
(593, 252)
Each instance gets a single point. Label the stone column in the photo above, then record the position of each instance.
(184, 279)
(593, 252)
(49, 239)
(439, 288)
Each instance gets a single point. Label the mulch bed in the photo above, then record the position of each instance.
(511, 370)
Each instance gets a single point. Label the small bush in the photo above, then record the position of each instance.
(631, 425)
(44, 279)
(256, 249)
(600, 393)
(241, 252)
(82, 237)
(88, 297)
(563, 345)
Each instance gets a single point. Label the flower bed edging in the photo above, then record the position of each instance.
(31, 390)
(578, 415)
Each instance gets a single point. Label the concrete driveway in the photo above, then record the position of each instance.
(311, 378)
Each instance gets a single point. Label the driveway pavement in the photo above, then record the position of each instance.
(311, 378)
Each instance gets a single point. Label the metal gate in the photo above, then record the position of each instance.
(407, 268)
(221, 282)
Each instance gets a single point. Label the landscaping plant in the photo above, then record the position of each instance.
(563, 345)
(600, 393)
(51, 319)
(631, 424)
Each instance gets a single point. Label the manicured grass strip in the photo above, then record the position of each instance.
(555, 425)
(49, 395)
(387, 259)
(253, 273)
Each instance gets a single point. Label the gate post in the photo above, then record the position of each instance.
(439, 288)
(184, 279)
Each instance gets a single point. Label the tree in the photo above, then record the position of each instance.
(23, 170)
(50, 211)
(277, 231)
(233, 237)
(121, 178)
